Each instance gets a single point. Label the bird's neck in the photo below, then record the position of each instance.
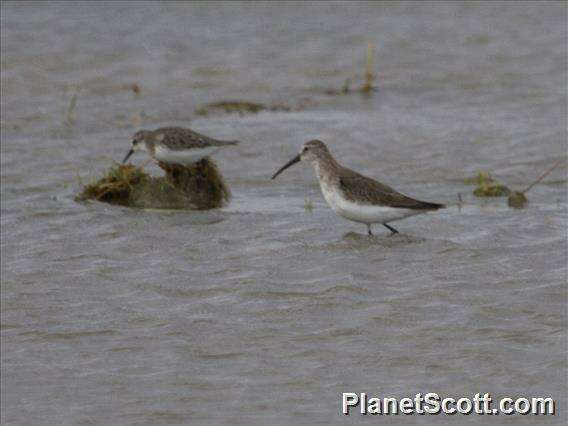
(326, 168)
(150, 147)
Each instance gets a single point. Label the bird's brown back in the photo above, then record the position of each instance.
(178, 138)
(361, 189)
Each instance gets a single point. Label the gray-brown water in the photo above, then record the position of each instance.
(264, 312)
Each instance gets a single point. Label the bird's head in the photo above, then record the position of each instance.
(140, 138)
(138, 143)
(311, 151)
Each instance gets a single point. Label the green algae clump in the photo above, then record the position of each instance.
(199, 186)
(487, 187)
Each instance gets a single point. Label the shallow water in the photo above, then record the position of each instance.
(265, 311)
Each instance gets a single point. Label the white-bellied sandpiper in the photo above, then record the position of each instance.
(176, 145)
(354, 196)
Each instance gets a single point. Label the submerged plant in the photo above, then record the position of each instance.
(199, 186)
(517, 199)
(369, 65)
(70, 112)
(240, 107)
(116, 186)
(369, 77)
(245, 107)
(487, 187)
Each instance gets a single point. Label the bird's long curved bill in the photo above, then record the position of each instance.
(293, 161)
(128, 156)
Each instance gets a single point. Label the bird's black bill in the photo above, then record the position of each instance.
(128, 156)
(288, 164)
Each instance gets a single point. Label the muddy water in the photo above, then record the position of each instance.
(266, 311)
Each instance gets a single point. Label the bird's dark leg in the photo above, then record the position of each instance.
(390, 228)
(369, 230)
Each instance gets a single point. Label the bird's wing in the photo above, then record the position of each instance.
(176, 139)
(357, 187)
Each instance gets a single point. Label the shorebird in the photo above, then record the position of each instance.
(175, 145)
(356, 197)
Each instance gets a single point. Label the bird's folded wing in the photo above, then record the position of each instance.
(360, 188)
(184, 139)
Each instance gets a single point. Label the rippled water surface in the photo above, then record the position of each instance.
(265, 311)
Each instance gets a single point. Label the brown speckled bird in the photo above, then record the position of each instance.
(176, 145)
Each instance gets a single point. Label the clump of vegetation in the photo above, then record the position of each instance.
(369, 76)
(517, 199)
(199, 186)
(70, 111)
(487, 187)
(369, 65)
(308, 205)
(116, 186)
(240, 107)
(229, 107)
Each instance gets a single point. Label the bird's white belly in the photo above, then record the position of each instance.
(187, 156)
(363, 213)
